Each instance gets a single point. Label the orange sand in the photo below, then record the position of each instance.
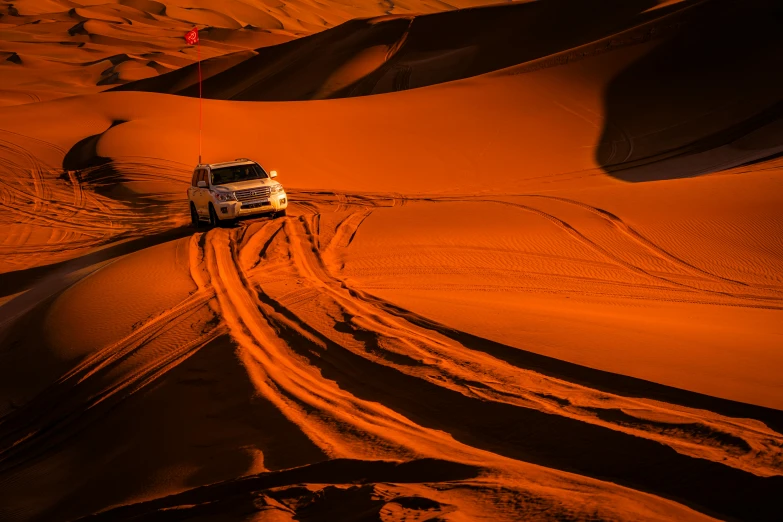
(537, 278)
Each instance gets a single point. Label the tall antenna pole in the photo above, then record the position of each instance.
(200, 101)
(192, 38)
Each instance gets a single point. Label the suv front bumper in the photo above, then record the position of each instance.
(235, 209)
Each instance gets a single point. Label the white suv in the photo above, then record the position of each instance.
(223, 192)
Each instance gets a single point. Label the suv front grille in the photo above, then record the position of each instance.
(253, 194)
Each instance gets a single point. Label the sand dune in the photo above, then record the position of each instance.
(694, 124)
(545, 284)
(51, 48)
(393, 53)
(62, 49)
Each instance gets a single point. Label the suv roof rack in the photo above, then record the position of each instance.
(242, 159)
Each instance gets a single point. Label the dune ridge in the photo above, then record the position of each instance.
(400, 348)
(671, 131)
(53, 49)
(392, 53)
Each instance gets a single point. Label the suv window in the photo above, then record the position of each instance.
(201, 175)
(237, 173)
(194, 181)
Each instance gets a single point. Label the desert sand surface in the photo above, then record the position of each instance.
(55, 48)
(532, 268)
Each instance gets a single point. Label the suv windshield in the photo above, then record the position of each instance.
(236, 173)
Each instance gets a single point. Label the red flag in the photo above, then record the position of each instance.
(192, 36)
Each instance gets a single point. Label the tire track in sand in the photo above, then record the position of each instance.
(736, 291)
(110, 375)
(333, 364)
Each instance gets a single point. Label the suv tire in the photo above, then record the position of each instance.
(213, 219)
(279, 213)
(195, 221)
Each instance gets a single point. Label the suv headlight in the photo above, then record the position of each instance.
(225, 196)
(277, 189)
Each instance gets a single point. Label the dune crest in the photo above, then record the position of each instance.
(424, 50)
(51, 43)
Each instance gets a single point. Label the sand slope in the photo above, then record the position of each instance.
(486, 302)
(55, 48)
(393, 53)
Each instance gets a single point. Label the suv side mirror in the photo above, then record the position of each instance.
(201, 184)
(272, 173)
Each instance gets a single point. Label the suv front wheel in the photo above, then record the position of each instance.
(213, 219)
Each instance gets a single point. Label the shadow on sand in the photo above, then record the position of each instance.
(19, 280)
(707, 98)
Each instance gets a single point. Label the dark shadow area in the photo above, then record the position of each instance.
(236, 497)
(98, 171)
(84, 154)
(708, 97)
(548, 440)
(420, 51)
(114, 179)
(452, 45)
(196, 422)
(27, 364)
(178, 80)
(19, 280)
(11, 56)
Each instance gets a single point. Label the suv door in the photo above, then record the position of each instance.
(202, 194)
(193, 189)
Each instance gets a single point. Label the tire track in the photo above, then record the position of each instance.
(460, 368)
(335, 365)
(635, 236)
(343, 425)
(69, 215)
(681, 267)
(605, 253)
(110, 375)
(69, 405)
